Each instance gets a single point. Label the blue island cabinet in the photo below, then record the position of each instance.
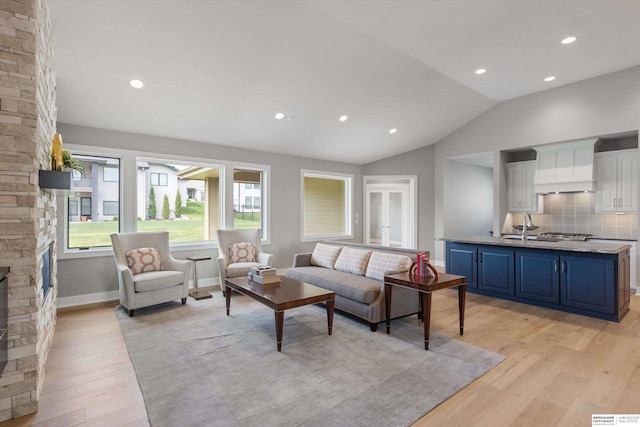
(487, 268)
(495, 270)
(538, 275)
(589, 283)
(462, 260)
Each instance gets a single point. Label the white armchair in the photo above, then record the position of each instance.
(150, 287)
(226, 238)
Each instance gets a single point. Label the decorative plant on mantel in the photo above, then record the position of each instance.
(70, 163)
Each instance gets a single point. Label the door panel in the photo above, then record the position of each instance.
(538, 276)
(375, 218)
(461, 260)
(396, 209)
(495, 270)
(389, 219)
(588, 283)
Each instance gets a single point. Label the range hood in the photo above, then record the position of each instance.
(565, 167)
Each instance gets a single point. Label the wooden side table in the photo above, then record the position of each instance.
(196, 293)
(425, 286)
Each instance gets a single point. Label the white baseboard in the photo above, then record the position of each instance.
(98, 297)
(76, 300)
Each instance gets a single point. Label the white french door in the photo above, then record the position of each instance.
(390, 211)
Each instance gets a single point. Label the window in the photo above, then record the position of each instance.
(110, 208)
(110, 174)
(327, 205)
(248, 185)
(159, 179)
(179, 197)
(188, 200)
(77, 175)
(87, 227)
(73, 208)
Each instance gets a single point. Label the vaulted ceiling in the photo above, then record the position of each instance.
(218, 71)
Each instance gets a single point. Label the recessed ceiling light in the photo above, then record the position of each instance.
(481, 70)
(343, 118)
(393, 130)
(569, 39)
(279, 116)
(136, 83)
(549, 79)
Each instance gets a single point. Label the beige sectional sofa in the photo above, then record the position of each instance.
(355, 273)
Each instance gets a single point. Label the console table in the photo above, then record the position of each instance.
(425, 286)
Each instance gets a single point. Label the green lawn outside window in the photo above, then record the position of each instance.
(89, 234)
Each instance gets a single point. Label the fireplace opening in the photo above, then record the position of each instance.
(46, 272)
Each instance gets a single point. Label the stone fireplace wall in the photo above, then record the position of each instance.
(27, 213)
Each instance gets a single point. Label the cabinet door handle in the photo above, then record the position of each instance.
(614, 202)
(564, 266)
(480, 257)
(555, 266)
(620, 202)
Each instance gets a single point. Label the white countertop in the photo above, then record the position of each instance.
(563, 245)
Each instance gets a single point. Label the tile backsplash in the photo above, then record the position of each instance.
(576, 213)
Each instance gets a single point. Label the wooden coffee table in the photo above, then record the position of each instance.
(289, 293)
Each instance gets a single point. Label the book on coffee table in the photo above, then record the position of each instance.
(263, 271)
(264, 279)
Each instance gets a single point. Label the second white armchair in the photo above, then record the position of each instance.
(239, 250)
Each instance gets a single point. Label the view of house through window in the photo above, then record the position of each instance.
(185, 199)
(181, 198)
(93, 207)
(247, 193)
(326, 205)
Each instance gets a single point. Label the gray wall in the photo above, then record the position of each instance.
(595, 107)
(468, 199)
(418, 162)
(80, 276)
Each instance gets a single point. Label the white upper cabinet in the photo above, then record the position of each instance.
(521, 196)
(617, 181)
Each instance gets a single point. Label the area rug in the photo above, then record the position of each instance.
(199, 367)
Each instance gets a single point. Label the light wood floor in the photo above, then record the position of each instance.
(559, 368)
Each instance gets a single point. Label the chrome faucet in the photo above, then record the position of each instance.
(526, 223)
(527, 217)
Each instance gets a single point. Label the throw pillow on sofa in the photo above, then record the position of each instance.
(381, 262)
(242, 252)
(325, 255)
(144, 260)
(353, 261)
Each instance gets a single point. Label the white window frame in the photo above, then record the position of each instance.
(265, 194)
(349, 205)
(128, 197)
(64, 252)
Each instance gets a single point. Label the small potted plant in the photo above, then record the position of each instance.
(70, 163)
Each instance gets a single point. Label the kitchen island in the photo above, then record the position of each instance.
(592, 279)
